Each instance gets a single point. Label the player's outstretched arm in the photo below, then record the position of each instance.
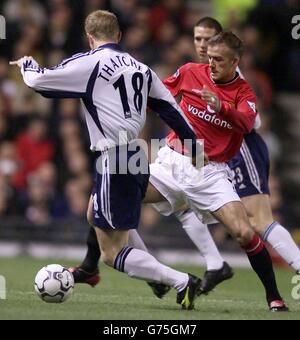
(67, 80)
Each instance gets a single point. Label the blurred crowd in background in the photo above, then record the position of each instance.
(45, 163)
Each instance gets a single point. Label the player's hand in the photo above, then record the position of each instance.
(19, 62)
(211, 98)
(29, 61)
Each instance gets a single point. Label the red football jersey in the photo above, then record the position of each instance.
(222, 132)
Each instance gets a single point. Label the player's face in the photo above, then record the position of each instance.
(222, 63)
(201, 37)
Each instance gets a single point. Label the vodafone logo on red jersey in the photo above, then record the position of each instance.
(209, 116)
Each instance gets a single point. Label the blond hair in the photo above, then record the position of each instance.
(102, 25)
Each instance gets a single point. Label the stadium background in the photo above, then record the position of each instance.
(45, 163)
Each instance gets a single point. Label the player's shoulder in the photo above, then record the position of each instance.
(73, 58)
(93, 53)
(81, 59)
(244, 86)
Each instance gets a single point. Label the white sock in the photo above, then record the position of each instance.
(200, 235)
(281, 240)
(135, 240)
(141, 265)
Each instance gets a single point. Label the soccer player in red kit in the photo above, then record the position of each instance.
(250, 168)
(220, 112)
(220, 107)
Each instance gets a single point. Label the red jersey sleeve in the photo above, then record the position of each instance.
(174, 82)
(242, 116)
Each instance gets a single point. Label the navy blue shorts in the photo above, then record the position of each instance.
(251, 166)
(117, 192)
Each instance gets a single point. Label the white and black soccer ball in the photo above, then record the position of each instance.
(54, 283)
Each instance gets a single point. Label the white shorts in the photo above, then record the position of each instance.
(204, 191)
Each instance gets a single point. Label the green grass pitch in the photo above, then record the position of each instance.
(118, 297)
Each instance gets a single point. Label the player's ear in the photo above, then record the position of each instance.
(91, 41)
(119, 36)
(235, 61)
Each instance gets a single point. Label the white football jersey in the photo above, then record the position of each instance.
(115, 90)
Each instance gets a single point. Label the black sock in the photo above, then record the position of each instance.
(261, 263)
(90, 263)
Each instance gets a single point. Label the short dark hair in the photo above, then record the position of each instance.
(209, 23)
(230, 40)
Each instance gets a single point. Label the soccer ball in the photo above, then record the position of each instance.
(54, 283)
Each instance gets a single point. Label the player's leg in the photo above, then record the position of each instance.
(251, 169)
(154, 195)
(158, 289)
(258, 207)
(117, 200)
(141, 265)
(93, 253)
(165, 177)
(234, 218)
(116, 253)
(217, 195)
(217, 269)
(162, 186)
(88, 270)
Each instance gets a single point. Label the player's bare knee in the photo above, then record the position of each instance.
(242, 231)
(245, 235)
(257, 228)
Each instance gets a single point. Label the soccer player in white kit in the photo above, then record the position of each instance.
(115, 90)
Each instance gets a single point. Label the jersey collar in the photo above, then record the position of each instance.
(237, 76)
(112, 46)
